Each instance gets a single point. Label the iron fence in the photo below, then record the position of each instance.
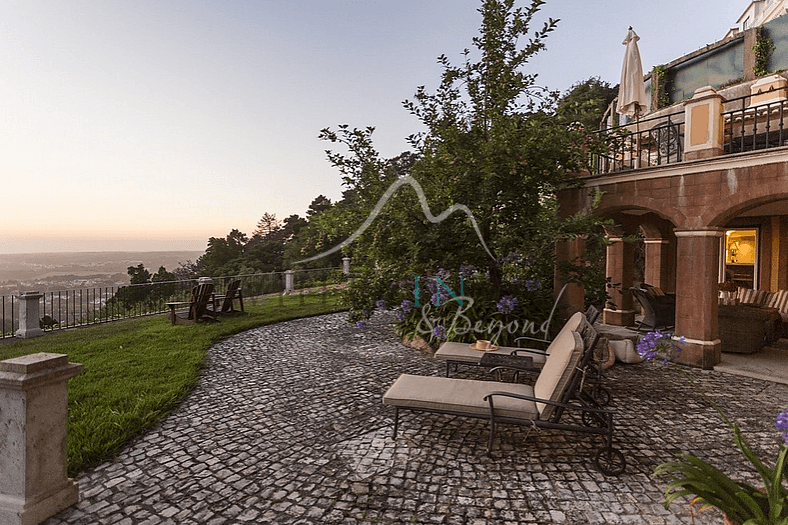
(751, 127)
(63, 309)
(655, 141)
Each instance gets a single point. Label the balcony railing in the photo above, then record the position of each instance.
(754, 127)
(645, 143)
(63, 309)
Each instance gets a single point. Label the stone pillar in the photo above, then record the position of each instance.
(749, 54)
(346, 265)
(656, 254)
(29, 315)
(697, 293)
(568, 252)
(33, 416)
(703, 125)
(288, 281)
(620, 260)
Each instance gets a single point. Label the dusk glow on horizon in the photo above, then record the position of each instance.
(154, 125)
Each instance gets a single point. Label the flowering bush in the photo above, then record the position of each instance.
(463, 306)
(660, 345)
(691, 476)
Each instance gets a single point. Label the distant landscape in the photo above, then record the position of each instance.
(67, 270)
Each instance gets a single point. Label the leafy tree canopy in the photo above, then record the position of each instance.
(491, 143)
(586, 102)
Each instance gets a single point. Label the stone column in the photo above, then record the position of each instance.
(288, 281)
(29, 315)
(703, 125)
(697, 293)
(620, 260)
(346, 265)
(656, 263)
(568, 252)
(33, 416)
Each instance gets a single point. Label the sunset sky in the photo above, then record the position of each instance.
(153, 125)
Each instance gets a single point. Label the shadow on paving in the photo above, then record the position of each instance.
(287, 426)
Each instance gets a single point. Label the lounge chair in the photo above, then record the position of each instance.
(233, 293)
(557, 389)
(461, 353)
(658, 311)
(592, 313)
(202, 296)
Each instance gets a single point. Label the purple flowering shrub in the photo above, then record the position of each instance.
(458, 304)
(463, 307)
(659, 345)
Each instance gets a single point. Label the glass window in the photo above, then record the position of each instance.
(741, 257)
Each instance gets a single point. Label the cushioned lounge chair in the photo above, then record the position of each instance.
(557, 389)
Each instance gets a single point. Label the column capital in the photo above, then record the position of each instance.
(705, 232)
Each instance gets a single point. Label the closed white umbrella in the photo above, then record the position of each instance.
(632, 100)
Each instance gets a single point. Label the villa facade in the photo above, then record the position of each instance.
(703, 182)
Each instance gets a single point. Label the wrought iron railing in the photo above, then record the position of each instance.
(644, 143)
(72, 308)
(750, 127)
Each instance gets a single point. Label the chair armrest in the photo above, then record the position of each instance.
(173, 305)
(536, 339)
(536, 351)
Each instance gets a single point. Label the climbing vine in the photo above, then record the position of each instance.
(763, 49)
(660, 73)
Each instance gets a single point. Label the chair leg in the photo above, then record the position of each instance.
(396, 423)
(490, 442)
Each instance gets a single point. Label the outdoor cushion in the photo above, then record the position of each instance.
(459, 396)
(779, 301)
(573, 324)
(750, 296)
(557, 370)
(624, 351)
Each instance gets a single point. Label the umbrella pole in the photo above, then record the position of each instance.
(637, 133)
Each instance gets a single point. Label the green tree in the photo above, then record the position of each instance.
(586, 102)
(138, 274)
(318, 205)
(223, 256)
(491, 143)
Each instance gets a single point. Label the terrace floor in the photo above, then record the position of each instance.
(287, 426)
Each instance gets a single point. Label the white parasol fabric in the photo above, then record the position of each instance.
(632, 100)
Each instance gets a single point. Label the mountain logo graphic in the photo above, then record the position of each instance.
(424, 206)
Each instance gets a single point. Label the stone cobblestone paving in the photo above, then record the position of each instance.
(286, 426)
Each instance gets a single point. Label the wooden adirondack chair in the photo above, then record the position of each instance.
(234, 293)
(202, 296)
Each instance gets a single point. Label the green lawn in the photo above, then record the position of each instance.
(136, 371)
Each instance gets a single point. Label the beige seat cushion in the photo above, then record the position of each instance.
(557, 370)
(573, 324)
(459, 396)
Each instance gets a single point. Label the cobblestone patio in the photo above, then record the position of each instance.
(287, 426)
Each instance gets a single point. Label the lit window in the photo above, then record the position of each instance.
(741, 256)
